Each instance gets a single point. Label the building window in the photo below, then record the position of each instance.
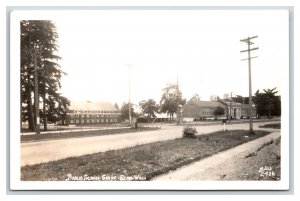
(92, 120)
(87, 121)
(102, 120)
(82, 120)
(106, 120)
(77, 121)
(97, 120)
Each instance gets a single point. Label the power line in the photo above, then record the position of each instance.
(249, 43)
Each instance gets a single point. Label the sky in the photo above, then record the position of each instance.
(200, 48)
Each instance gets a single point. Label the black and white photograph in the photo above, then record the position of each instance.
(189, 99)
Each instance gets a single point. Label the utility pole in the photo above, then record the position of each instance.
(249, 43)
(36, 93)
(129, 85)
(230, 106)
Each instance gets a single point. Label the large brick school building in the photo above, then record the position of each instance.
(88, 112)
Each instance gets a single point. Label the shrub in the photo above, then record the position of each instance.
(189, 132)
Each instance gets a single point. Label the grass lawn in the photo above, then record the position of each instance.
(141, 162)
(53, 136)
(276, 126)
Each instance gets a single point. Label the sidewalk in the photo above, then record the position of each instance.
(204, 169)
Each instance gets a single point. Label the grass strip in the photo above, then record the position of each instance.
(275, 126)
(58, 135)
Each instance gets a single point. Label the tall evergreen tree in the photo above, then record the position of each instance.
(39, 36)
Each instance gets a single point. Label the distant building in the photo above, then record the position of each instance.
(88, 112)
(233, 109)
(163, 117)
(238, 110)
(245, 111)
(159, 117)
(200, 110)
(195, 109)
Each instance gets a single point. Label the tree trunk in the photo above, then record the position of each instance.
(269, 112)
(31, 122)
(44, 113)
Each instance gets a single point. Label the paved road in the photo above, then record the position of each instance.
(44, 151)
